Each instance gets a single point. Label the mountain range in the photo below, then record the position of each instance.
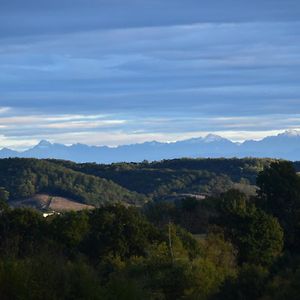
(285, 145)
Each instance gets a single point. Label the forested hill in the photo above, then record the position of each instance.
(26, 177)
(159, 179)
(132, 183)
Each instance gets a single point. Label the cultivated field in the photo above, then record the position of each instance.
(50, 203)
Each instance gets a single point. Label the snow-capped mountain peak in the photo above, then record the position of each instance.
(285, 145)
(43, 144)
(291, 133)
(212, 138)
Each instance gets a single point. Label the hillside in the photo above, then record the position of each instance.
(129, 183)
(160, 179)
(44, 202)
(24, 178)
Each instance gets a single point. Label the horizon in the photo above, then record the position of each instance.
(114, 73)
(291, 132)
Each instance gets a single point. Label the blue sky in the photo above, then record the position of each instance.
(126, 71)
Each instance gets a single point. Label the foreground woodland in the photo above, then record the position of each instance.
(241, 242)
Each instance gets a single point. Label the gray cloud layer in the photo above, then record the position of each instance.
(188, 63)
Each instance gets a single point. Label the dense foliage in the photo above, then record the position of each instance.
(108, 253)
(229, 246)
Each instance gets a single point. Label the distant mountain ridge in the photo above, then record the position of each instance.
(285, 145)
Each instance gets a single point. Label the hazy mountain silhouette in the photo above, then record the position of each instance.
(285, 145)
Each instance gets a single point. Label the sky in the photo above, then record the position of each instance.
(111, 72)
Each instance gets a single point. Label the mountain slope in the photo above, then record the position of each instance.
(285, 145)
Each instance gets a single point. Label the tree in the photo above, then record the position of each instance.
(4, 196)
(284, 286)
(279, 194)
(249, 284)
(257, 235)
(263, 239)
(22, 232)
(70, 228)
(118, 231)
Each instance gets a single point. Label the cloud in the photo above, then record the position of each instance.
(21, 131)
(4, 110)
(134, 70)
(35, 17)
